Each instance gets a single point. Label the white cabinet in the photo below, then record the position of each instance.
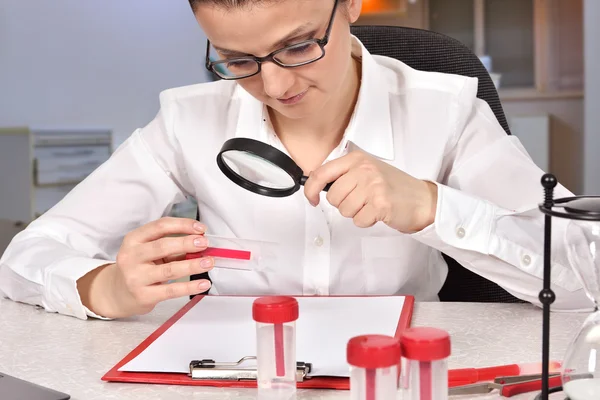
(67, 164)
(38, 167)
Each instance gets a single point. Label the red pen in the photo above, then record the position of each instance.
(465, 376)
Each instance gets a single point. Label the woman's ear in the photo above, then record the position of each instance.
(353, 8)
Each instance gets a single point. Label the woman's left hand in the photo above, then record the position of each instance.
(369, 190)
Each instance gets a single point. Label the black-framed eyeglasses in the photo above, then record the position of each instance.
(295, 55)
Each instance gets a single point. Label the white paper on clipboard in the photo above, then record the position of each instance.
(221, 328)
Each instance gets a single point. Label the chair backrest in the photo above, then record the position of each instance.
(430, 51)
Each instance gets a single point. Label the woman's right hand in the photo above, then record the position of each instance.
(149, 257)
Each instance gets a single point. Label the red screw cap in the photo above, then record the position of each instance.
(373, 351)
(275, 309)
(425, 344)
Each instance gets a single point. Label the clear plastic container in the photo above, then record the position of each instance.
(581, 368)
(581, 365)
(275, 318)
(424, 364)
(374, 367)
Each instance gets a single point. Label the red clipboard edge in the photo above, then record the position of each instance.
(339, 383)
(117, 376)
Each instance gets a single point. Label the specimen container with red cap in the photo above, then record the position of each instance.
(374, 367)
(275, 318)
(425, 353)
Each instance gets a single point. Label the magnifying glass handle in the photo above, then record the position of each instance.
(305, 178)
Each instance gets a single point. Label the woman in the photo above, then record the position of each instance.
(420, 165)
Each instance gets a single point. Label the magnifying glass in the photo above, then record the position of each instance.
(261, 168)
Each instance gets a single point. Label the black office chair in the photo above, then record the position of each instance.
(430, 51)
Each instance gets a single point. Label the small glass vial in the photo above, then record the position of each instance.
(275, 318)
(424, 364)
(374, 367)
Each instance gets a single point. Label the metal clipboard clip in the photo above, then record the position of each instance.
(234, 371)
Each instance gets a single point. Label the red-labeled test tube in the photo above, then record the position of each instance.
(374, 367)
(275, 318)
(425, 353)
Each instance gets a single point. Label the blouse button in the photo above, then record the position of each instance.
(460, 232)
(318, 241)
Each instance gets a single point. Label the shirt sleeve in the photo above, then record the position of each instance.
(487, 214)
(140, 182)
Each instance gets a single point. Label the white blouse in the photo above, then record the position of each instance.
(430, 125)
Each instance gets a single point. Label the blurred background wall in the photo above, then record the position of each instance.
(73, 63)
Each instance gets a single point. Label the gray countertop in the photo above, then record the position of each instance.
(71, 355)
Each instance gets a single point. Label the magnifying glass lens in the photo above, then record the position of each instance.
(260, 168)
(257, 170)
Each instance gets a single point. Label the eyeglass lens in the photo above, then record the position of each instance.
(295, 55)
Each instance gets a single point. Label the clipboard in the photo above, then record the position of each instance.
(168, 378)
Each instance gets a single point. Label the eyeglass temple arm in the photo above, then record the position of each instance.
(335, 5)
(207, 61)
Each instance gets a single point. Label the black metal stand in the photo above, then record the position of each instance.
(582, 208)
(547, 296)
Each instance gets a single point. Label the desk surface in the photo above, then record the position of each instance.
(71, 355)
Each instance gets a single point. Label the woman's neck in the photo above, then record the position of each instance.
(310, 140)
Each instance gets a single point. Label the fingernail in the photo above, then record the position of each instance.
(203, 285)
(201, 242)
(199, 227)
(206, 263)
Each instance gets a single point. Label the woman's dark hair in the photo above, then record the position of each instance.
(227, 4)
